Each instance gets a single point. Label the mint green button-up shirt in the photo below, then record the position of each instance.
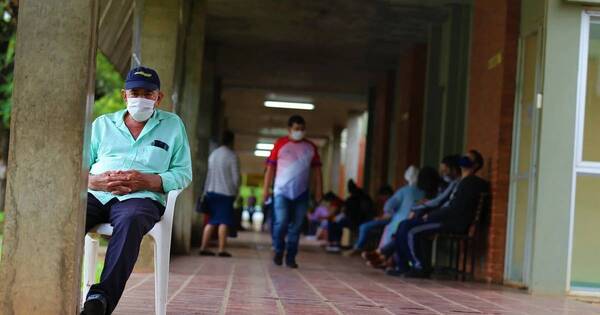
(161, 148)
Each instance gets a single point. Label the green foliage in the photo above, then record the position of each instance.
(108, 81)
(108, 103)
(108, 87)
(8, 33)
(1, 230)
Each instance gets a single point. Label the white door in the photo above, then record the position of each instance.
(524, 161)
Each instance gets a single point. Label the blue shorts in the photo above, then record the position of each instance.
(220, 209)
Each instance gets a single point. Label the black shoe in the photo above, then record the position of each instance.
(291, 264)
(224, 254)
(417, 273)
(95, 304)
(206, 253)
(395, 272)
(278, 259)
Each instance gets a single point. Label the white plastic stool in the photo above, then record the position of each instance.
(160, 233)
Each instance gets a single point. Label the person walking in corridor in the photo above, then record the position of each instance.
(220, 190)
(293, 162)
(136, 156)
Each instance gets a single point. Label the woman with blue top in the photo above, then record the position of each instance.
(389, 209)
(449, 172)
(423, 185)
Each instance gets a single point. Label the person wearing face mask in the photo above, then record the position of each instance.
(136, 156)
(425, 188)
(454, 216)
(450, 174)
(293, 162)
(406, 195)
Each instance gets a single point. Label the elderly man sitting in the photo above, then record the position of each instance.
(136, 156)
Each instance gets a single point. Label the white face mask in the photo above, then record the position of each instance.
(297, 135)
(140, 109)
(411, 175)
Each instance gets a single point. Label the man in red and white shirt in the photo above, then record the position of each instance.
(293, 162)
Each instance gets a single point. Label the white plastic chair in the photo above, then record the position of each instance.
(160, 233)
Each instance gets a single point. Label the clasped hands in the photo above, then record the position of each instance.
(124, 182)
(413, 215)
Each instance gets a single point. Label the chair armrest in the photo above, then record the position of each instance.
(107, 229)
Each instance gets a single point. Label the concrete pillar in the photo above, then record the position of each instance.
(156, 26)
(177, 56)
(455, 71)
(40, 271)
(384, 95)
(336, 159)
(156, 29)
(204, 134)
(492, 91)
(327, 160)
(410, 89)
(550, 270)
(434, 98)
(189, 109)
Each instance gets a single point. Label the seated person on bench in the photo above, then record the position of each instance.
(455, 216)
(449, 171)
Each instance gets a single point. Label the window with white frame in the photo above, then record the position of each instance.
(585, 258)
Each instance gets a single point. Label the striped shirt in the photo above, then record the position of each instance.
(223, 176)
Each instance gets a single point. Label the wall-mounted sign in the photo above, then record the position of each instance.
(495, 61)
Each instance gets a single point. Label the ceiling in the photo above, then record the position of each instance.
(327, 50)
(322, 45)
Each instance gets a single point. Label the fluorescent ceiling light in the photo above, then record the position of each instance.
(265, 146)
(273, 132)
(289, 105)
(262, 153)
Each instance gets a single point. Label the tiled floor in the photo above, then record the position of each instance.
(324, 284)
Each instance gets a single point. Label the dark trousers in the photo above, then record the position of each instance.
(407, 236)
(335, 230)
(131, 220)
(289, 217)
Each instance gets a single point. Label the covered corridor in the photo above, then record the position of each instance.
(393, 83)
(325, 284)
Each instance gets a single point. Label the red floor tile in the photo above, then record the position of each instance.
(324, 284)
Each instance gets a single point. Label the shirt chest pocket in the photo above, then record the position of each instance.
(156, 159)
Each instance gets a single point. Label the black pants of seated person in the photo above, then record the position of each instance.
(335, 231)
(131, 220)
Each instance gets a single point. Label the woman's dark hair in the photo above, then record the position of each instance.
(385, 190)
(451, 161)
(478, 160)
(329, 196)
(352, 188)
(227, 138)
(296, 119)
(428, 181)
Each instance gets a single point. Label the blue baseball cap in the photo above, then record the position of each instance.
(142, 78)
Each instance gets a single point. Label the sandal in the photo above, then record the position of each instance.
(206, 252)
(224, 254)
(370, 255)
(376, 265)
